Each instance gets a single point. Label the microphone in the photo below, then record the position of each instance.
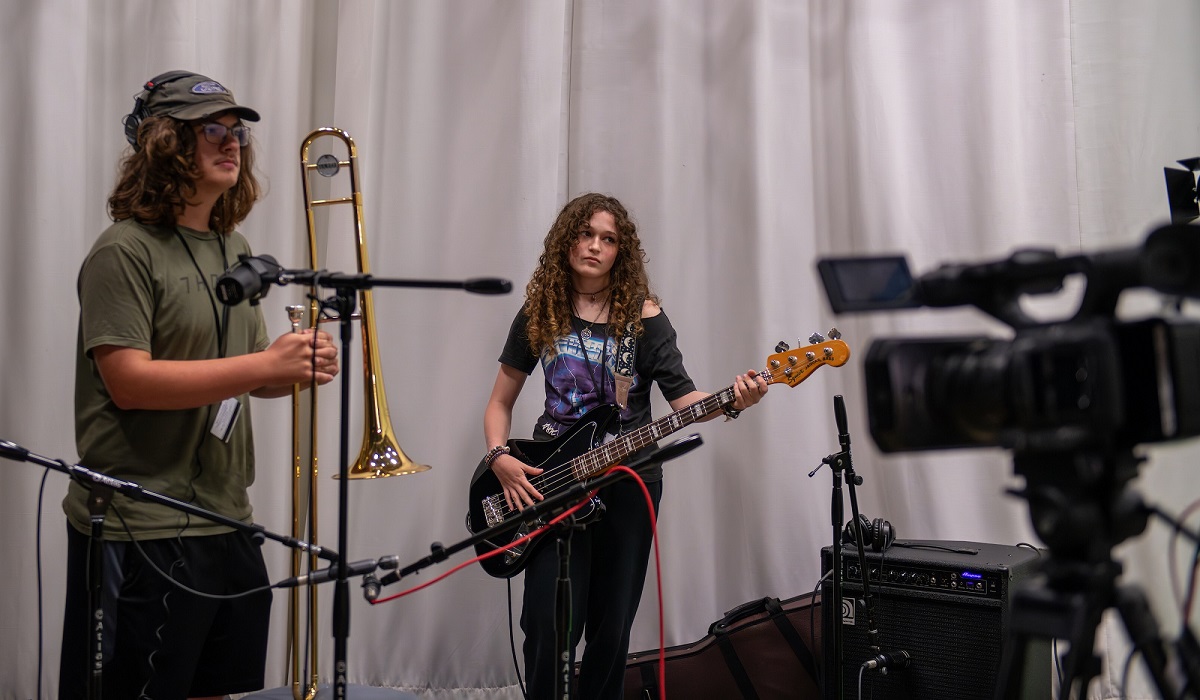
(354, 568)
(888, 659)
(249, 278)
(839, 415)
(13, 451)
(371, 587)
(835, 460)
(487, 285)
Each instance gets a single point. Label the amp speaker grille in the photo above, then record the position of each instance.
(955, 638)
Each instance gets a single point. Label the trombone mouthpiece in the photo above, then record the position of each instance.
(295, 312)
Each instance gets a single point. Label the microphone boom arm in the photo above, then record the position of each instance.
(251, 277)
(542, 509)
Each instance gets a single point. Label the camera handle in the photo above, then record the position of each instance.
(1081, 515)
(840, 462)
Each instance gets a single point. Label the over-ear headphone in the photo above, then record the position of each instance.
(878, 534)
(134, 119)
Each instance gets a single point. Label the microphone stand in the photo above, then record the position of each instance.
(102, 488)
(346, 287)
(839, 462)
(344, 302)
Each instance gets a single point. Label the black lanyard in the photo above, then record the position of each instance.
(220, 319)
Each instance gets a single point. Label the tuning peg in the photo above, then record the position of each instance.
(815, 338)
(835, 334)
(782, 347)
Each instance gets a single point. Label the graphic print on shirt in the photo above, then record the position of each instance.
(572, 383)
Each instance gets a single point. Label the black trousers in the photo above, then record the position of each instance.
(608, 565)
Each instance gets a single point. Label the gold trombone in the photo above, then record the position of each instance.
(380, 455)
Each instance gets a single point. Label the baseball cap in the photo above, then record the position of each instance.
(188, 96)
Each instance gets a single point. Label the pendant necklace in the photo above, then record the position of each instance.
(586, 333)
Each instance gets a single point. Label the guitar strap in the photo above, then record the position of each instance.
(626, 353)
(623, 379)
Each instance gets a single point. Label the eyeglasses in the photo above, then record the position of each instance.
(215, 132)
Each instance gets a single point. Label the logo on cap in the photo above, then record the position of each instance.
(209, 87)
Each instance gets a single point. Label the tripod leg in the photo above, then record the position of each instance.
(1143, 632)
(1041, 613)
(1081, 661)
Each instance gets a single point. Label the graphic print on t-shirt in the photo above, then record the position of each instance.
(575, 385)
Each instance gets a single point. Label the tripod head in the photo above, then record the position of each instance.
(1081, 504)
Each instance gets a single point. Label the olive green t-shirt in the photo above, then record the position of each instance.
(139, 288)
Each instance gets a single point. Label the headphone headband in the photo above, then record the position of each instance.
(134, 119)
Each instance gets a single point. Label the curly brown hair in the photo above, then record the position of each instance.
(548, 294)
(155, 180)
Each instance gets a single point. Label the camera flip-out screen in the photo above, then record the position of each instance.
(867, 284)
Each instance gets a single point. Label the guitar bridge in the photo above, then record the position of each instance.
(493, 510)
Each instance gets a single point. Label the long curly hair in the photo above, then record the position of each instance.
(548, 294)
(155, 181)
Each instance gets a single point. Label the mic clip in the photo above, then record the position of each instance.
(887, 661)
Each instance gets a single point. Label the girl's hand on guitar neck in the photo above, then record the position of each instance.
(514, 477)
(749, 389)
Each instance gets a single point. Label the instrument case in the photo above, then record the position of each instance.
(765, 649)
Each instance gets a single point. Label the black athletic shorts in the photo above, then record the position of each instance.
(160, 641)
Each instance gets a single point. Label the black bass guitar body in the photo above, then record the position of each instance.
(488, 508)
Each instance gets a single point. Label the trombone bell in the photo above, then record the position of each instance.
(381, 457)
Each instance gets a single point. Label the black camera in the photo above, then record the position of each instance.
(1086, 382)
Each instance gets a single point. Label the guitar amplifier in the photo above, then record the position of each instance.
(946, 603)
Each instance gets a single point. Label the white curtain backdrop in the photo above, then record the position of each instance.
(748, 138)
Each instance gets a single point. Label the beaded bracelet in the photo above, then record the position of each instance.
(493, 454)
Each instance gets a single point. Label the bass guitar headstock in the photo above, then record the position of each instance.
(793, 366)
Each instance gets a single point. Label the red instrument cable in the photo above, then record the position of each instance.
(662, 655)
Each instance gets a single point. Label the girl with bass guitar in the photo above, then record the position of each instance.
(602, 338)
